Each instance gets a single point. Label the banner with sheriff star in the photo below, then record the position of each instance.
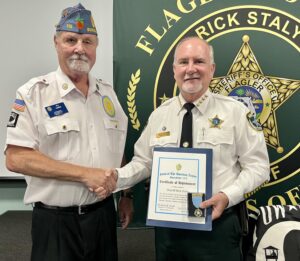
(257, 47)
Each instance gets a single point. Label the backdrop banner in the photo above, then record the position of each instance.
(257, 46)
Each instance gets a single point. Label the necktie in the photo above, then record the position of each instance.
(186, 139)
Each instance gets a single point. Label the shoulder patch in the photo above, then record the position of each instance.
(19, 105)
(13, 119)
(253, 122)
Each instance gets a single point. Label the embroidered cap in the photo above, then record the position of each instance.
(77, 19)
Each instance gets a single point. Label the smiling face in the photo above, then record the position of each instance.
(76, 52)
(193, 67)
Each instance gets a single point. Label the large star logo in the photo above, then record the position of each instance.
(263, 95)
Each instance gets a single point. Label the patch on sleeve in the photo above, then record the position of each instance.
(19, 105)
(13, 119)
(253, 122)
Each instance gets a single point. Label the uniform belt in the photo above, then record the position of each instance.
(80, 210)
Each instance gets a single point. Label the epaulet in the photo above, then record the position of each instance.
(37, 82)
(223, 97)
(167, 102)
(102, 82)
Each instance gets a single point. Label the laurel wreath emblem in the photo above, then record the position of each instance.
(131, 90)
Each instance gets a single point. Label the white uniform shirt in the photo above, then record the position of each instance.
(91, 133)
(240, 158)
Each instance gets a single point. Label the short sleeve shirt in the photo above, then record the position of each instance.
(52, 116)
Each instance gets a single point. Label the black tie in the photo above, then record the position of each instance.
(186, 140)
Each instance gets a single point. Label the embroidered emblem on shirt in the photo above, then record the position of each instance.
(215, 122)
(253, 121)
(162, 134)
(19, 105)
(13, 119)
(108, 106)
(56, 109)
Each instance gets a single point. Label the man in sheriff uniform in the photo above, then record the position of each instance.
(240, 158)
(64, 129)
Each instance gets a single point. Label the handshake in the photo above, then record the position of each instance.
(101, 181)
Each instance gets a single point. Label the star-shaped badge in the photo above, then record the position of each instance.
(262, 94)
(215, 122)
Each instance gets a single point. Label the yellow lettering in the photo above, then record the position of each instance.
(203, 2)
(169, 17)
(219, 27)
(293, 196)
(252, 18)
(155, 34)
(275, 171)
(275, 22)
(201, 31)
(285, 26)
(144, 45)
(182, 9)
(297, 32)
(232, 19)
(281, 200)
(251, 205)
(210, 27)
(265, 15)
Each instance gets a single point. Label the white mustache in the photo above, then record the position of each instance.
(81, 57)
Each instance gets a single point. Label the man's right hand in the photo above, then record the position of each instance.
(101, 181)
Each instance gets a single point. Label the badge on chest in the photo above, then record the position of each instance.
(56, 109)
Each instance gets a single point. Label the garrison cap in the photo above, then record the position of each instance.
(77, 19)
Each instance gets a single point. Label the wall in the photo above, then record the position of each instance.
(28, 51)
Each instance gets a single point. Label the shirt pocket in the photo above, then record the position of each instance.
(115, 135)
(220, 140)
(165, 141)
(63, 138)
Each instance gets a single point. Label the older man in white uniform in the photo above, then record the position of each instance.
(65, 128)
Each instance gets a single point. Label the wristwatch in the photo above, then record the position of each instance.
(126, 194)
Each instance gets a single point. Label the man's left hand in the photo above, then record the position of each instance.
(125, 211)
(218, 202)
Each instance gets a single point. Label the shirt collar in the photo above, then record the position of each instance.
(201, 103)
(65, 85)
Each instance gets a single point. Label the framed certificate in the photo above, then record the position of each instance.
(181, 179)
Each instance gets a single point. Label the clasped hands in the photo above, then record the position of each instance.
(101, 181)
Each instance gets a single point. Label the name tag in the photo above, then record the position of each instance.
(162, 134)
(56, 109)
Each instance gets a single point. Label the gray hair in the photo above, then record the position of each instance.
(211, 49)
(59, 33)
